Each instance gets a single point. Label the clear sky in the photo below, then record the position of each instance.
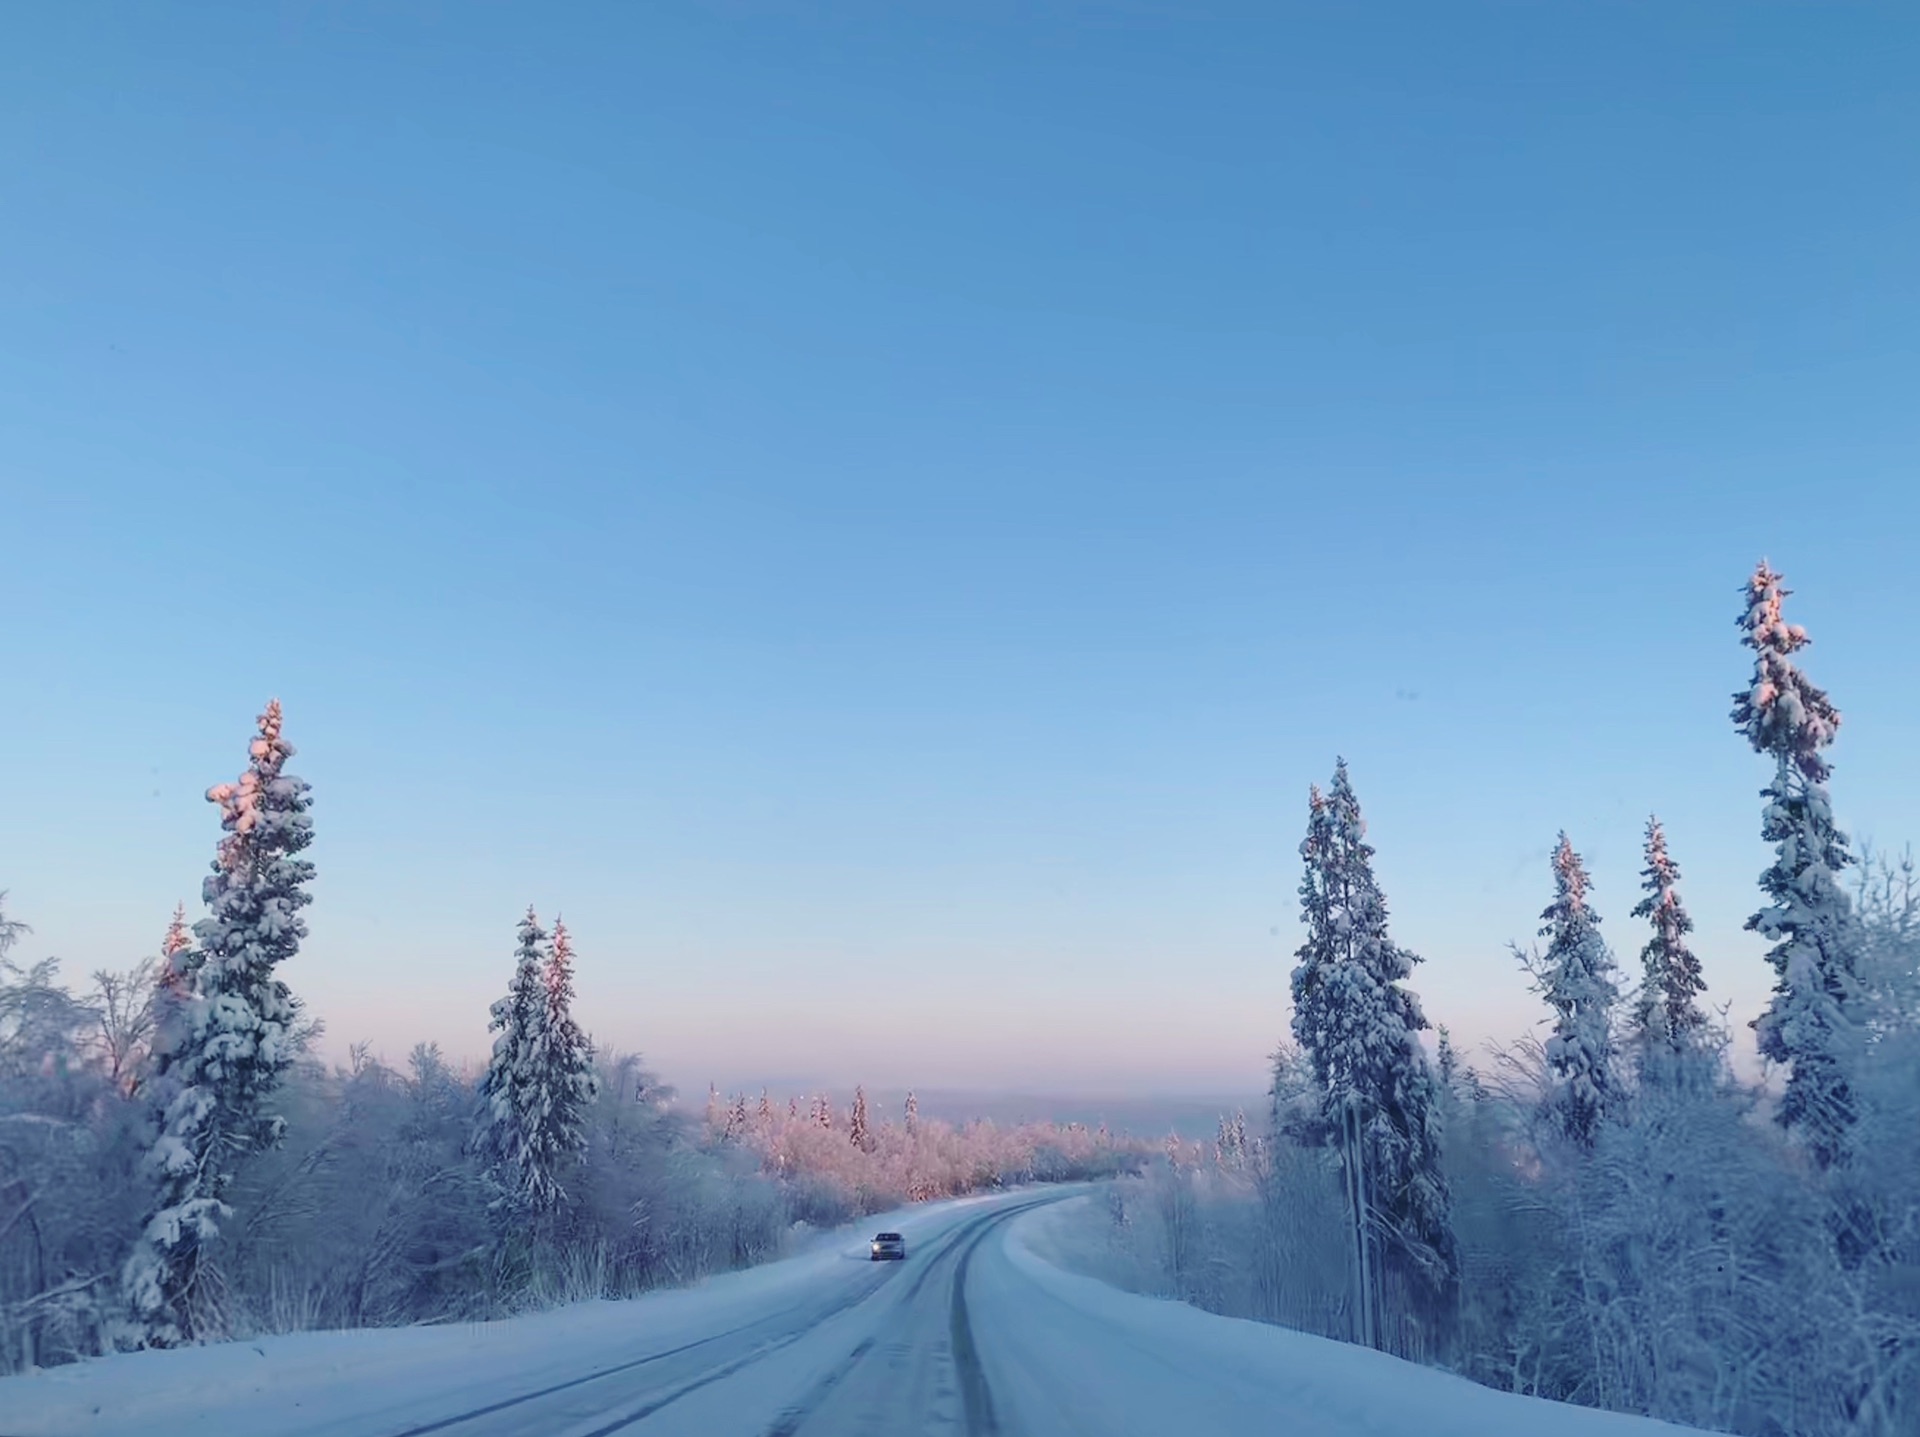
(878, 512)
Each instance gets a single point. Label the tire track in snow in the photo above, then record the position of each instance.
(792, 1419)
(947, 1242)
(706, 1379)
(474, 1414)
(975, 1398)
(966, 1237)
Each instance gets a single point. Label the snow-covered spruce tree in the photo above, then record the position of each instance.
(565, 1083)
(509, 1099)
(1231, 1148)
(1360, 1029)
(1666, 1015)
(170, 1004)
(1575, 977)
(1807, 1023)
(859, 1131)
(230, 1043)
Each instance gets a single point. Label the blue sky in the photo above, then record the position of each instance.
(879, 516)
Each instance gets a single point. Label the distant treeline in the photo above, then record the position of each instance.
(834, 1162)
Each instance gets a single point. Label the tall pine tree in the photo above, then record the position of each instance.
(229, 1039)
(1667, 1015)
(508, 1090)
(1359, 1028)
(564, 1079)
(1575, 976)
(859, 1132)
(1808, 1023)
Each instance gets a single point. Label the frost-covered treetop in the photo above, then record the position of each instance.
(1344, 808)
(172, 976)
(1781, 712)
(514, 1016)
(1570, 887)
(1662, 873)
(560, 967)
(1338, 894)
(256, 889)
(1672, 973)
(240, 802)
(1660, 880)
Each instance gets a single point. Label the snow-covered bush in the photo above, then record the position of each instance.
(377, 1210)
(70, 1142)
(1266, 1238)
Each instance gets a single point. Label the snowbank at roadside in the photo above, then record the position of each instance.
(1255, 1371)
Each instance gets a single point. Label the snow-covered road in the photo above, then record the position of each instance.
(977, 1332)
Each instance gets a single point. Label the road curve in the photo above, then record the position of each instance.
(976, 1334)
(820, 1343)
(887, 1351)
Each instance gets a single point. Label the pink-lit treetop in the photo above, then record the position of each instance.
(1781, 712)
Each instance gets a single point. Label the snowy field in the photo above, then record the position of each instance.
(979, 1331)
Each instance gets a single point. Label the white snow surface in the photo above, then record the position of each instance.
(978, 1331)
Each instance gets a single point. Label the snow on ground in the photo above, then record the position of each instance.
(982, 1329)
(1072, 1354)
(236, 1387)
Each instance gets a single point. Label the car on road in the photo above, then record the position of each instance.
(889, 1247)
